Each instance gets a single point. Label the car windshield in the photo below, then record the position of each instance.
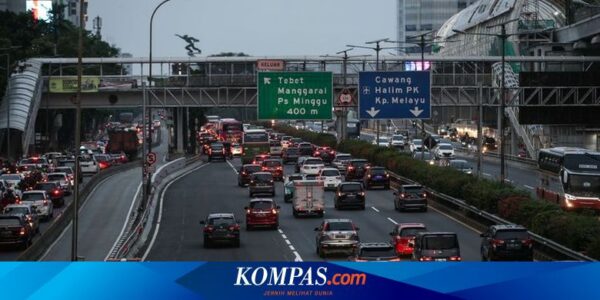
(10, 177)
(359, 163)
(445, 147)
(66, 170)
(426, 155)
(378, 171)
(271, 163)
(417, 142)
(292, 151)
(296, 140)
(350, 188)
(512, 234)
(9, 222)
(397, 138)
(221, 221)
(263, 177)
(340, 226)
(305, 145)
(275, 144)
(383, 140)
(16, 210)
(252, 169)
(32, 197)
(459, 164)
(330, 173)
(440, 242)
(313, 162)
(343, 157)
(216, 147)
(412, 231)
(56, 177)
(413, 189)
(44, 186)
(375, 252)
(261, 205)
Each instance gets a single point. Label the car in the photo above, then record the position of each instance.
(273, 166)
(275, 148)
(325, 153)
(286, 141)
(28, 211)
(217, 151)
(306, 149)
(436, 246)
(489, 144)
(88, 164)
(15, 230)
(62, 179)
(443, 150)
(104, 161)
(227, 148)
(262, 212)
(356, 169)
(461, 165)
(295, 142)
(410, 196)
(52, 157)
(384, 141)
(312, 166)
(349, 194)
(331, 177)
(416, 145)
(259, 158)
(506, 242)
(299, 163)
(374, 252)
(221, 227)
(425, 156)
(236, 149)
(290, 154)
(40, 200)
(245, 172)
(398, 141)
(336, 236)
(341, 161)
(68, 171)
(376, 176)
(403, 237)
(54, 191)
(12, 180)
(261, 183)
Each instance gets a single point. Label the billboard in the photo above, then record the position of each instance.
(89, 84)
(39, 8)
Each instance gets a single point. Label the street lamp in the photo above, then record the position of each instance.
(147, 109)
(503, 36)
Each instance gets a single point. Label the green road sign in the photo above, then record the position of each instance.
(295, 95)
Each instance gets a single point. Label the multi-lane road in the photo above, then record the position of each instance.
(213, 188)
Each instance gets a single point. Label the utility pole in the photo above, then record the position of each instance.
(479, 131)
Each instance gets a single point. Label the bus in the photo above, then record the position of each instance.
(571, 178)
(254, 141)
(229, 130)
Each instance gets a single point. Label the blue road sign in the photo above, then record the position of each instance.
(394, 95)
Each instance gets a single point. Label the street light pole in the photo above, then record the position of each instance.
(148, 113)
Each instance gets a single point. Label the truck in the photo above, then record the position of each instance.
(309, 198)
(123, 140)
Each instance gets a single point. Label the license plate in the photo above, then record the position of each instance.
(340, 236)
(513, 246)
(378, 177)
(440, 259)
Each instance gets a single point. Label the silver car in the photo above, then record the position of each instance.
(336, 236)
(41, 201)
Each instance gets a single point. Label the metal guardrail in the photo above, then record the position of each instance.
(522, 160)
(35, 251)
(544, 247)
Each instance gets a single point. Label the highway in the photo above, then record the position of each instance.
(213, 188)
(103, 215)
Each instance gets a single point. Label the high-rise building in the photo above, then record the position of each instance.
(16, 6)
(72, 10)
(420, 16)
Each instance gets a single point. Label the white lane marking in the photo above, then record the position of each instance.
(71, 223)
(392, 220)
(375, 209)
(137, 192)
(160, 209)
(298, 257)
(455, 220)
(280, 231)
(529, 187)
(487, 174)
(284, 236)
(229, 163)
(287, 241)
(292, 248)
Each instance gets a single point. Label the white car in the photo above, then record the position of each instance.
(416, 145)
(443, 150)
(383, 141)
(331, 178)
(88, 164)
(41, 201)
(312, 166)
(275, 148)
(12, 179)
(398, 141)
(63, 180)
(341, 161)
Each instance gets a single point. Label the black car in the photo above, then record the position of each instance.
(506, 242)
(245, 172)
(216, 151)
(14, 230)
(221, 227)
(356, 169)
(306, 149)
(349, 194)
(290, 154)
(410, 196)
(295, 141)
(261, 183)
(376, 176)
(375, 252)
(436, 246)
(325, 153)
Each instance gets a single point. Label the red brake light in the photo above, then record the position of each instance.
(208, 229)
(279, 168)
(528, 242)
(455, 258)
(274, 211)
(264, 168)
(369, 176)
(497, 242)
(23, 231)
(317, 153)
(425, 258)
(56, 192)
(234, 227)
(424, 195)
(402, 195)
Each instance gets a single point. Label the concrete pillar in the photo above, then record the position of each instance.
(180, 125)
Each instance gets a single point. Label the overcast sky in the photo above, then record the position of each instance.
(255, 27)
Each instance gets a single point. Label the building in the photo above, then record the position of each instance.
(16, 6)
(420, 16)
(72, 10)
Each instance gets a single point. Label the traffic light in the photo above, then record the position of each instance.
(414, 124)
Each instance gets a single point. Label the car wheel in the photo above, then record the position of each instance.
(321, 252)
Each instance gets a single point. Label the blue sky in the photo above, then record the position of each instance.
(256, 27)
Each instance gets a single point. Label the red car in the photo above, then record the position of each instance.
(273, 166)
(262, 212)
(403, 237)
(259, 158)
(325, 153)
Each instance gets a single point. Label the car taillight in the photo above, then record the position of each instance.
(280, 168)
(387, 175)
(45, 202)
(208, 229)
(22, 231)
(332, 152)
(234, 227)
(271, 181)
(424, 195)
(244, 173)
(264, 168)
(274, 211)
(395, 259)
(425, 258)
(403, 195)
(367, 167)
(209, 151)
(56, 191)
(528, 242)
(455, 258)
(317, 153)
(247, 211)
(362, 193)
(338, 177)
(369, 176)
(350, 168)
(497, 242)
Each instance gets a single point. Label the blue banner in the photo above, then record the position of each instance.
(213, 280)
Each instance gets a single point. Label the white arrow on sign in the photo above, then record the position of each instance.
(373, 112)
(267, 80)
(416, 112)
